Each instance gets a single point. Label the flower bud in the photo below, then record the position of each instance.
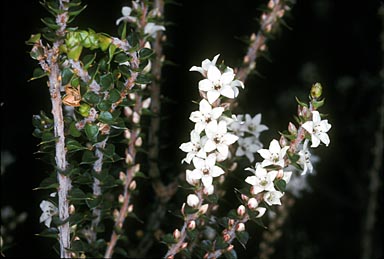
(191, 225)
(316, 91)
(132, 185)
(136, 118)
(292, 128)
(240, 227)
(121, 198)
(138, 142)
(244, 197)
(283, 141)
(72, 209)
(193, 200)
(231, 222)
(127, 134)
(203, 209)
(146, 103)
(127, 111)
(130, 208)
(122, 176)
(176, 234)
(208, 190)
(241, 210)
(184, 245)
(230, 248)
(252, 203)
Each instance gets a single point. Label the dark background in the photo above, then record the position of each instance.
(336, 43)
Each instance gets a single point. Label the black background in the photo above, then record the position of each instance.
(336, 43)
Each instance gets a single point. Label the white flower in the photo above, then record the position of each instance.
(287, 176)
(151, 29)
(206, 169)
(248, 146)
(273, 197)
(237, 125)
(318, 129)
(274, 155)
(218, 138)
(49, 210)
(253, 126)
(217, 84)
(194, 147)
(193, 200)
(305, 159)
(262, 180)
(205, 115)
(126, 11)
(205, 65)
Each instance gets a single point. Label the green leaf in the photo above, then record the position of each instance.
(49, 232)
(114, 95)
(66, 75)
(76, 194)
(121, 57)
(106, 81)
(318, 104)
(93, 202)
(92, 97)
(50, 23)
(88, 157)
(281, 185)
(145, 53)
(73, 145)
(105, 117)
(168, 239)
(48, 183)
(242, 237)
(104, 106)
(91, 131)
(301, 103)
(88, 60)
(143, 79)
(33, 39)
(38, 73)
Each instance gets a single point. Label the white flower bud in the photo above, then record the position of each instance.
(146, 103)
(208, 190)
(203, 209)
(191, 225)
(193, 200)
(139, 142)
(176, 234)
(121, 198)
(136, 118)
(130, 208)
(240, 227)
(132, 185)
(252, 203)
(241, 210)
(127, 134)
(127, 111)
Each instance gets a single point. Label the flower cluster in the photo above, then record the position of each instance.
(211, 137)
(248, 130)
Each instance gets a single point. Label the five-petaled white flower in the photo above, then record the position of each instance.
(49, 210)
(318, 129)
(205, 65)
(253, 125)
(248, 146)
(205, 114)
(273, 197)
(218, 138)
(274, 155)
(194, 147)
(205, 169)
(262, 180)
(218, 83)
